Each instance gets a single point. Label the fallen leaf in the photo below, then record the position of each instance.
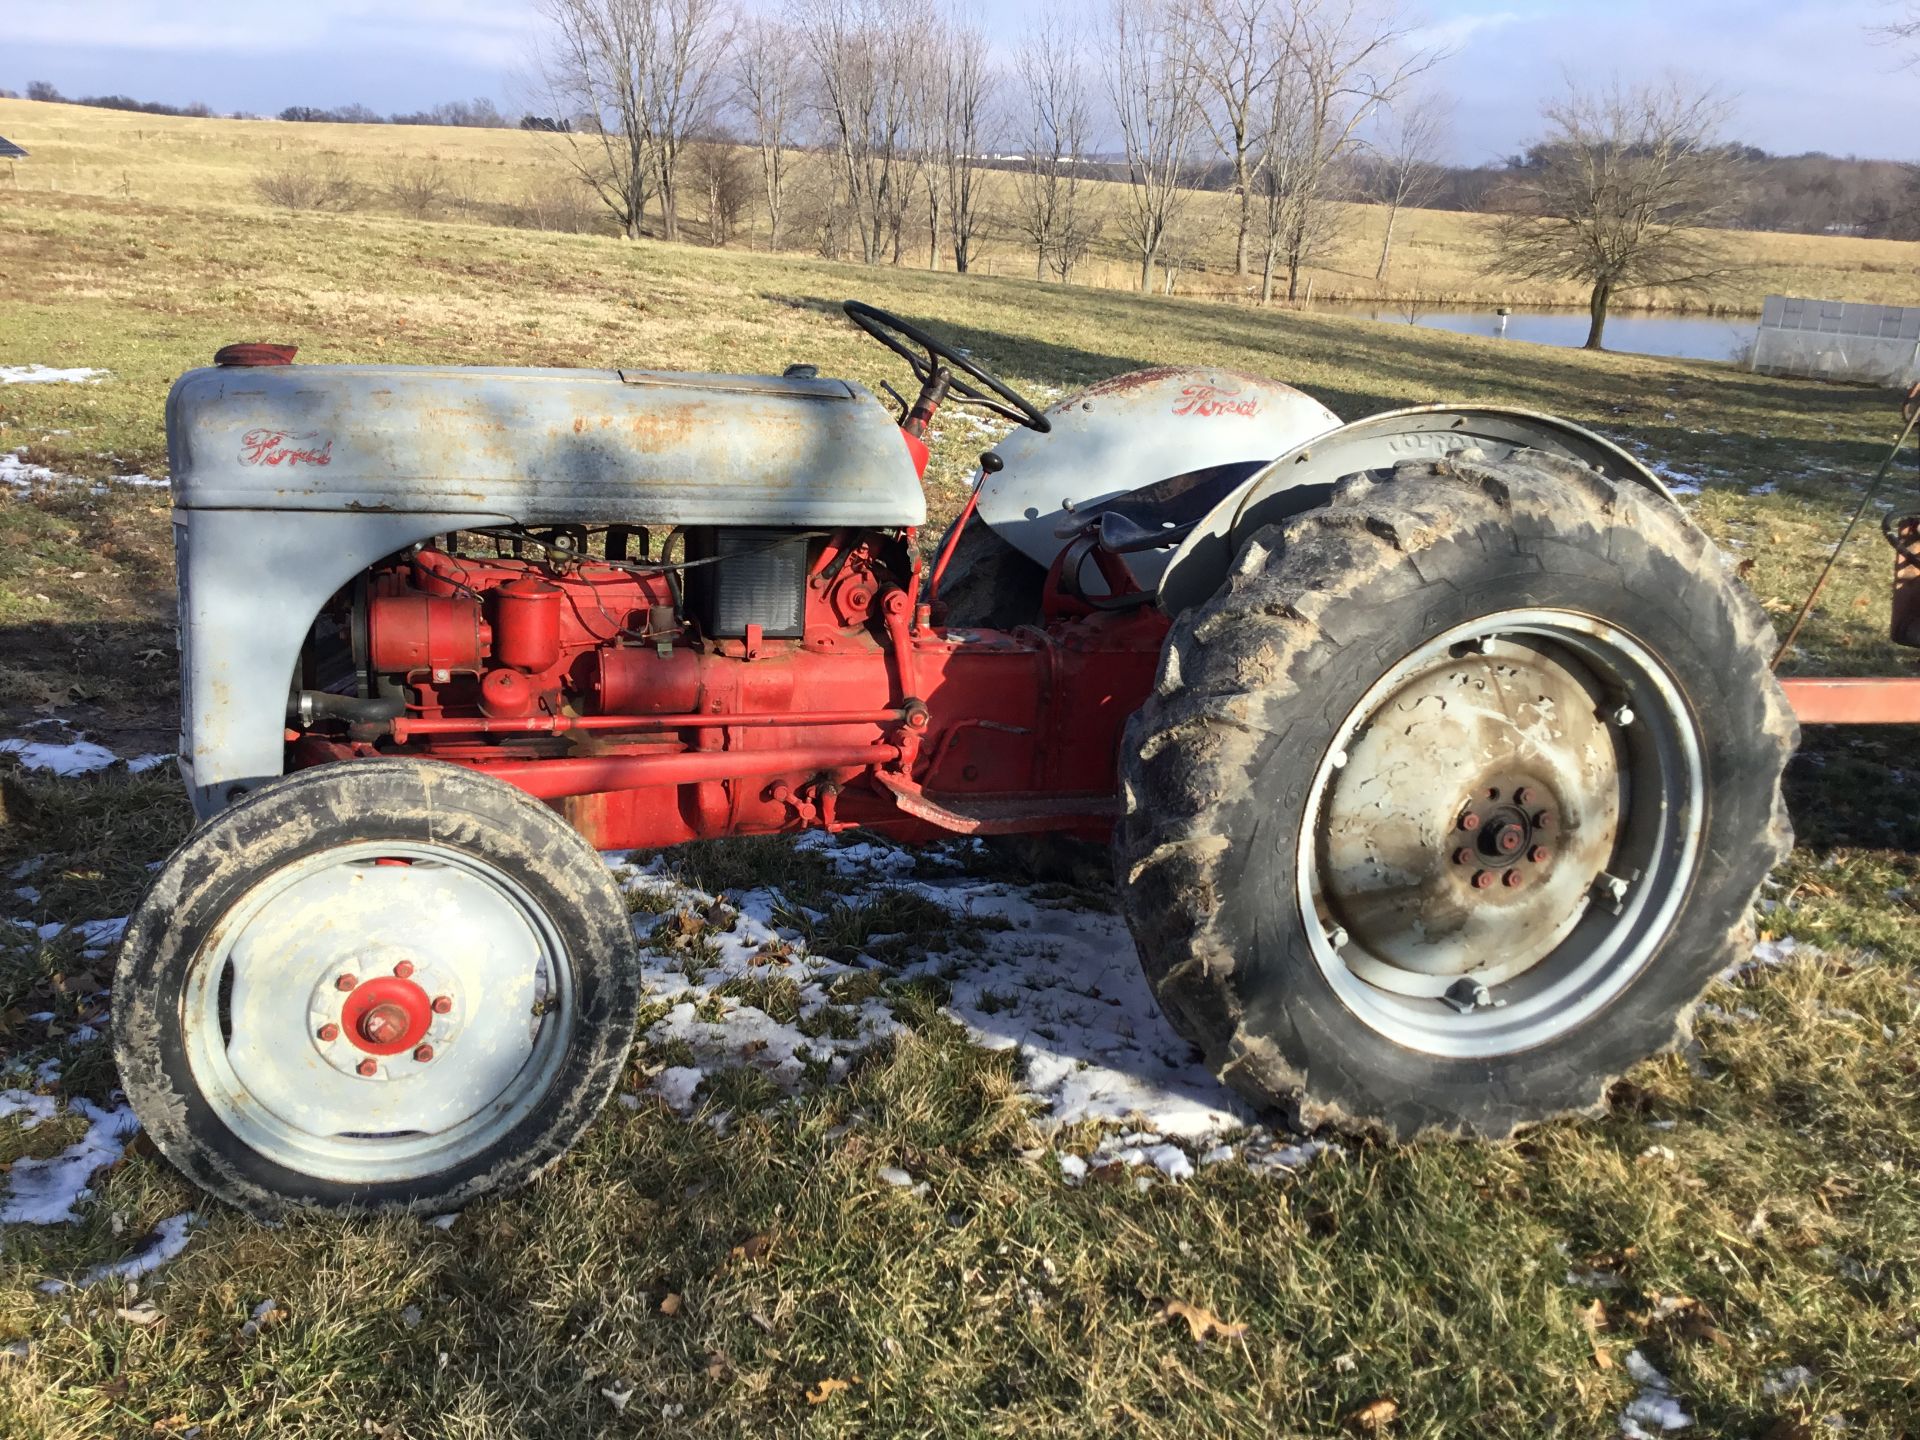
(828, 1388)
(141, 1314)
(1744, 568)
(670, 1305)
(1375, 1415)
(1201, 1321)
(754, 1247)
(718, 1366)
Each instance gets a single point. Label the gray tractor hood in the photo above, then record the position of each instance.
(540, 446)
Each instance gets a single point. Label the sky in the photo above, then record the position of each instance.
(1802, 74)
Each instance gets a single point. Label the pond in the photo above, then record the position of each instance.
(1688, 337)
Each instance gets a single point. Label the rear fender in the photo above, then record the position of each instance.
(1304, 477)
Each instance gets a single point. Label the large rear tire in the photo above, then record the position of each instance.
(1449, 805)
(381, 984)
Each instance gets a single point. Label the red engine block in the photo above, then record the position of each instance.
(586, 685)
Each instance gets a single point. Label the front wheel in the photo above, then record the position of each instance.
(387, 984)
(1450, 804)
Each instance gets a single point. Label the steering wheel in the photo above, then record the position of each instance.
(926, 354)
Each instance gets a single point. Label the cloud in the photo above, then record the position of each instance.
(1448, 36)
(472, 32)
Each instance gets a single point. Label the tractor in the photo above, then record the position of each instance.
(1438, 753)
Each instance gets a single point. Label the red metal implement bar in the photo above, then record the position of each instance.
(405, 727)
(554, 779)
(1876, 700)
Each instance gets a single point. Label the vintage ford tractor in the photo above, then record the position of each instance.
(1438, 754)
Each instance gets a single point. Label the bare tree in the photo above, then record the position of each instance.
(1406, 171)
(719, 168)
(961, 136)
(1235, 61)
(1904, 32)
(771, 89)
(1152, 83)
(595, 70)
(864, 56)
(691, 42)
(1616, 194)
(416, 187)
(1343, 61)
(1050, 210)
(640, 75)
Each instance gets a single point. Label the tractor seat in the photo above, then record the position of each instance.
(1161, 514)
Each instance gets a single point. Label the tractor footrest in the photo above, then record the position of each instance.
(1001, 814)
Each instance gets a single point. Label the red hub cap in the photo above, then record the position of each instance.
(386, 1015)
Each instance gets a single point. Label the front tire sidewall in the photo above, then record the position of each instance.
(205, 882)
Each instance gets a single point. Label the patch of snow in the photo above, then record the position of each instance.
(49, 375)
(38, 1109)
(78, 757)
(18, 473)
(1655, 1405)
(1063, 987)
(165, 1243)
(1059, 984)
(676, 1085)
(140, 764)
(1785, 1382)
(47, 1192)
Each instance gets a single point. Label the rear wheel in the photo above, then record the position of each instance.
(1449, 805)
(386, 983)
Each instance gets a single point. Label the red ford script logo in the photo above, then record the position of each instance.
(277, 447)
(1203, 399)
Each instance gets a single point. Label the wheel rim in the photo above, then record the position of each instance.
(1501, 833)
(379, 1012)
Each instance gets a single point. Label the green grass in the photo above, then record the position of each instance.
(1782, 1231)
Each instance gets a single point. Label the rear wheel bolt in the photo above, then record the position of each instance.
(1523, 796)
(1514, 880)
(1483, 880)
(345, 982)
(1469, 821)
(1539, 854)
(423, 1053)
(329, 1032)
(368, 1068)
(442, 1004)
(403, 969)
(1463, 856)
(1543, 821)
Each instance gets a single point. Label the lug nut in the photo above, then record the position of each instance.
(1469, 821)
(1523, 796)
(1463, 856)
(345, 982)
(423, 1053)
(442, 1004)
(403, 969)
(368, 1068)
(1483, 880)
(1539, 854)
(1515, 879)
(1543, 821)
(329, 1032)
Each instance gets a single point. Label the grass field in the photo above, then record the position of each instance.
(1438, 257)
(1744, 1220)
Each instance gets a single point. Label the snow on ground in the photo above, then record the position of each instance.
(18, 473)
(50, 1191)
(164, 1243)
(48, 375)
(73, 754)
(1655, 1410)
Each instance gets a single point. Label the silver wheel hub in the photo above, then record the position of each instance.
(1472, 808)
(377, 1012)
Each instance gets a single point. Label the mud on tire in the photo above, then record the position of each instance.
(512, 936)
(1293, 859)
